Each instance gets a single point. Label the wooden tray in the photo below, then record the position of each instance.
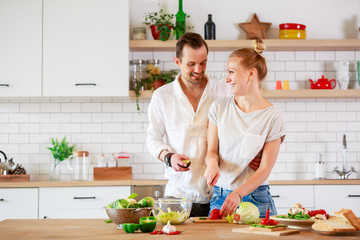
(112, 173)
(275, 233)
(207, 220)
(15, 178)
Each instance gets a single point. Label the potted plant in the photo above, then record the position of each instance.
(60, 151)
(156, 79)
(160, 24)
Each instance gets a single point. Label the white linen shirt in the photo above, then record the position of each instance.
(242, 137)
(175, 126)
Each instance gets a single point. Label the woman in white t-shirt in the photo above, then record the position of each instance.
(241, 127)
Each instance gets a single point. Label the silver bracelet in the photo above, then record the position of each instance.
(239, 195)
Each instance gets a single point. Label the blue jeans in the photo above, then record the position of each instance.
(260, 198)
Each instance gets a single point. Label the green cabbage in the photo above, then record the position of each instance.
(249, 213)
(174, 217)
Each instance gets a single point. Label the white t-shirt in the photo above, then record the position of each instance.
(242, 137)
(176, 127)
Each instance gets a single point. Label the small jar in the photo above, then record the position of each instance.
(139, 33)
(153, 66)
(137, 72)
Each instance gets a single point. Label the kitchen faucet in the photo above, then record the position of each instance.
(344, 174)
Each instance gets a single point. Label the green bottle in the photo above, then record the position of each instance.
(180, 21)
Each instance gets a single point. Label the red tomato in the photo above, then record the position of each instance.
(237, 217)
(264, 221)
(313, 213)
(215, 214)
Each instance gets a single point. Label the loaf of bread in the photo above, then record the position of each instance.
(349, 216)
(337, 224)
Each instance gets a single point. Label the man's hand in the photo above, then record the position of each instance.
(255, 163)
(177, 164)
(212, 174)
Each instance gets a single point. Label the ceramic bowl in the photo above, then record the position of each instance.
(127, 215)
(292, 34)
(298, 26)
(174, 209)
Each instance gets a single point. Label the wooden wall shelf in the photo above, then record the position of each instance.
(306, 93)
(271, 44)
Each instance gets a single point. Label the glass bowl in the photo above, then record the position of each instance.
(174, 209)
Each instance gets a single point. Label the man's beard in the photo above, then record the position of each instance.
(189, 79)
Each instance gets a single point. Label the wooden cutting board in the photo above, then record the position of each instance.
(275, 233)
(207, 220)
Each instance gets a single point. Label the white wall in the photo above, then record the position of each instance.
(106, 125)
(325, 19)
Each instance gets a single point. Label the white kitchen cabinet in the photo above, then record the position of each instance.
(20, 48)
(286, 195)
(335, 197)
(18, 203)
(78, 202)
(86, 48)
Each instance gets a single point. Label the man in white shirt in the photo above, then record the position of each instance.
(178, 116)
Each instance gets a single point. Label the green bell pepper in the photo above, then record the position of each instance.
(130, 227)
(147, 224)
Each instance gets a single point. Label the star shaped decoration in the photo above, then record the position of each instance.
(255, 29)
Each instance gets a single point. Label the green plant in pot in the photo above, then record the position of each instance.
(155, 79)
(160, 24)
(60, 151)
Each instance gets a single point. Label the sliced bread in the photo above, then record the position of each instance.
(337, 224)
(349, 216)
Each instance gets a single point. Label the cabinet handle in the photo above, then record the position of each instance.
(4, 85)
(1, 199)
(275, 196)
(354, 195)
(84, 197)
(85, 84)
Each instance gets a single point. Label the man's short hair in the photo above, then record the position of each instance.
(194, 40)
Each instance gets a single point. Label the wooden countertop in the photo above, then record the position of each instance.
(12, 229)
(161, 182)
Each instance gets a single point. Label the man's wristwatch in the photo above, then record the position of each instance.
(167, 159)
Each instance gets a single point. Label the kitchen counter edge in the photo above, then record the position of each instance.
(162, 182)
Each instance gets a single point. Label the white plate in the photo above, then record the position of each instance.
(294, 223)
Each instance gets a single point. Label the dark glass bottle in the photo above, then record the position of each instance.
(180, 21)
(210, 28)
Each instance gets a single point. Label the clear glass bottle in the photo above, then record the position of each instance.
(319, 168)
(209, 29)
(153, 66)
(180, 21)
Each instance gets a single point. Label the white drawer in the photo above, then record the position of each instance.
(286, 195)
(333, 198)
(16, 203)
(58, 198)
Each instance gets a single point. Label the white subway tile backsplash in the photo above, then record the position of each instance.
(304, 55)
(39, 138)
(9, 128)
(285, 56)
(101, 117)
(295, 66)
(91, 107)
(353, 126)
(344, 55)
(112, 107)
(276, 66)
(220, 56)
(71, 107)
(326, 116)
(50, 107)
(81, 117)
(296, 106)
(164, 56)
(19, 138)
(269, 55)
(315, 126)
(153, 168)
(315, 66)
(91, 127)
(316, 106)
(305, 116)
(124, 138)
(29, 127)
(324, 55)
(39, 117)
(122, 117)
(112, 127)
(50, 128)
(346, 116)
(29, 148)
(336, 106)
(19, 117)
(133, 147)
(133, 127)
(29, 107)
(290, 76)
(59, 117)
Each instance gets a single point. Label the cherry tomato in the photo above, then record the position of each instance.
(237, 217)
(264, 221)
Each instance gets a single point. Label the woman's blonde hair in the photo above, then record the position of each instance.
(252, 58)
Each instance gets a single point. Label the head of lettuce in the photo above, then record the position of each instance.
(249, 213)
